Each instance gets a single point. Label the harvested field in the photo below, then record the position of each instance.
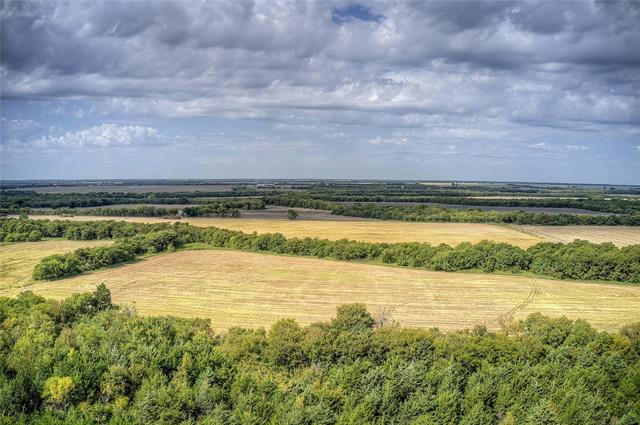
(363, 230)
(619, 235)
(273, 212)
(17, 260)
(246, 289)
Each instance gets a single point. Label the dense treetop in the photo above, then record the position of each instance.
(84, 361)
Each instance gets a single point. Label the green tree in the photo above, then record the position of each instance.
(57, 390)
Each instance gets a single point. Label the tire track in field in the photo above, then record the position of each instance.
(534, 292)
(141, 265)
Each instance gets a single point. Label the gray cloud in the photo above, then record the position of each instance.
(467, 72)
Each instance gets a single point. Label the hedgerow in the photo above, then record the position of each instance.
(576, 260)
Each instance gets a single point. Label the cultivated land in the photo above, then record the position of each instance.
(17, 260)
(619, 235)
(246, 289)
(363, 230)
(274, 220)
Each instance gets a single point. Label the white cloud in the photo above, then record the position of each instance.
(577, 147)
(393, 141)
(101, 136)
(541, 145)
(17, 125)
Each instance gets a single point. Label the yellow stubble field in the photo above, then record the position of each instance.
(248, 289)
(400, 231)
(618, 235)
(17, 260)
(362, 230)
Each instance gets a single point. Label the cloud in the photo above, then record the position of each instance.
(541, 145)
(105, 135)
(487, 77)
(577, 147)
(532, 63)
(18, 125)
(394, 141)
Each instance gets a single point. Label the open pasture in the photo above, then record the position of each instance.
(363, 230)
(17, 260)
(248, 289)
(619, 235)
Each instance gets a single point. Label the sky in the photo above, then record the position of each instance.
(541, 91)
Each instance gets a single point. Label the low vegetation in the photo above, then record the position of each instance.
(84, 361)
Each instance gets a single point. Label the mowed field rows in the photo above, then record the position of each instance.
(619, 235)
(363, 230)
(248, 289)
(17, 260)
(400, 231)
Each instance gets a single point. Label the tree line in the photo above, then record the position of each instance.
(616, 206)
(423, 213)
(230, 208)
(83, 360)
(579, 260)
(16, 199)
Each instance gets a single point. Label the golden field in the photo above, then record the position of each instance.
(362, 230)
(17, 260)
(249, 289)
(402, 231)
(619, 235)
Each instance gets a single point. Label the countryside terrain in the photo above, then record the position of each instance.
(246, 289)
(351, 212)
(283, 282)
(385, 231)
(255, 290)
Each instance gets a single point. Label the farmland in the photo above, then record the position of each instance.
(364, 230)
(395, 231)
(17, 260)
(619, 235)
(246, 289)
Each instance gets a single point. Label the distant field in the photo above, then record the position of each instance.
(364, 230)
(17, 260)
(619, 235)
(132, 188)
(245, 289)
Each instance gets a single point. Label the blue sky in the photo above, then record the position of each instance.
(537, 91)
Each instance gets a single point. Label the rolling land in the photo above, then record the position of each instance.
(17, 260)
(354, 229)
(250, 289)
(394, 231)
